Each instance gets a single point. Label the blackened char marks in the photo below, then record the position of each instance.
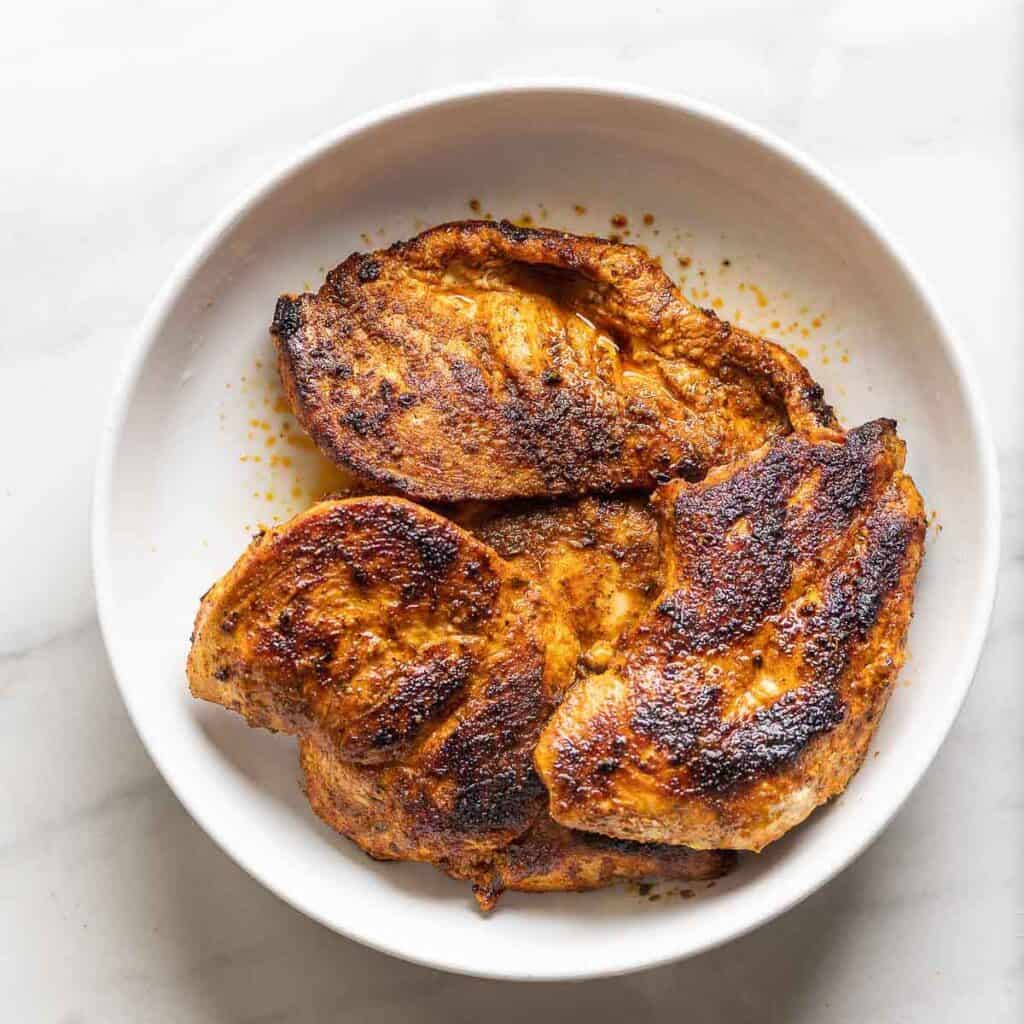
(426, 560)
(718, 755)
(423, 694)
(420, 665)
(737, 541)
(855, 595)
(506, 799)
(513, 232)
(386, 547)
(297, 646)
(488, 756)
(734, 577)
(373, 416)
(400, 531)
(773, 737)
(749, 693)
(287, 317)
(380, 543)
(814, 397)
(737, 545)
(369, 270)
(563, 432)
(472, 384)
(581, 762)
(676, 730)
(358, 420)
(850, 472)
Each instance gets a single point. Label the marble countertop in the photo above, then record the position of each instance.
(127, 127)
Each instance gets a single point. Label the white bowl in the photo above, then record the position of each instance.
(175, 502)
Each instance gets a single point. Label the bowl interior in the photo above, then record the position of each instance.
(203, 451)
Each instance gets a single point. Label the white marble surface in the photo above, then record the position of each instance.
(127, 126)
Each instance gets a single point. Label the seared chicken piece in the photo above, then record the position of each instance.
(749, 693)
(356, 801)
(418, 668)
(553, 858)
(601, 558)
(487, 361)
(406, 647)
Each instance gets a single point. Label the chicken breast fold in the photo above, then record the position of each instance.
(487, 361)
(409, 650)
(748, 694)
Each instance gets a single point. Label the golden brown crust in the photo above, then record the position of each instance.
(403, 644)
(360, 803)
(599, 556)
(552, 858)
(743, 631)
(748, 695)
(487, 361)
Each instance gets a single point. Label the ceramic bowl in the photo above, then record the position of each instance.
(199, 451)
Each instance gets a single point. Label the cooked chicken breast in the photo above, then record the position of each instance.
(749, 693)
(417, 668)
(357, 801)
(724, 648)
(487, 361)
(600, 557)
(552, 858)
(399, 642)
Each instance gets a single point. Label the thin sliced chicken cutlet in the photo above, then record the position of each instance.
(487, 361)
(600, 557)
(358, 802)
(406, 647)
(748, 695)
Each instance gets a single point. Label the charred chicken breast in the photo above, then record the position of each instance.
(488, 361)
(424, 661)
(749, 693)
(655, 613)
(417, 668)
(358, 802)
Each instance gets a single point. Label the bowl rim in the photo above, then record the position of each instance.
(153, 322)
